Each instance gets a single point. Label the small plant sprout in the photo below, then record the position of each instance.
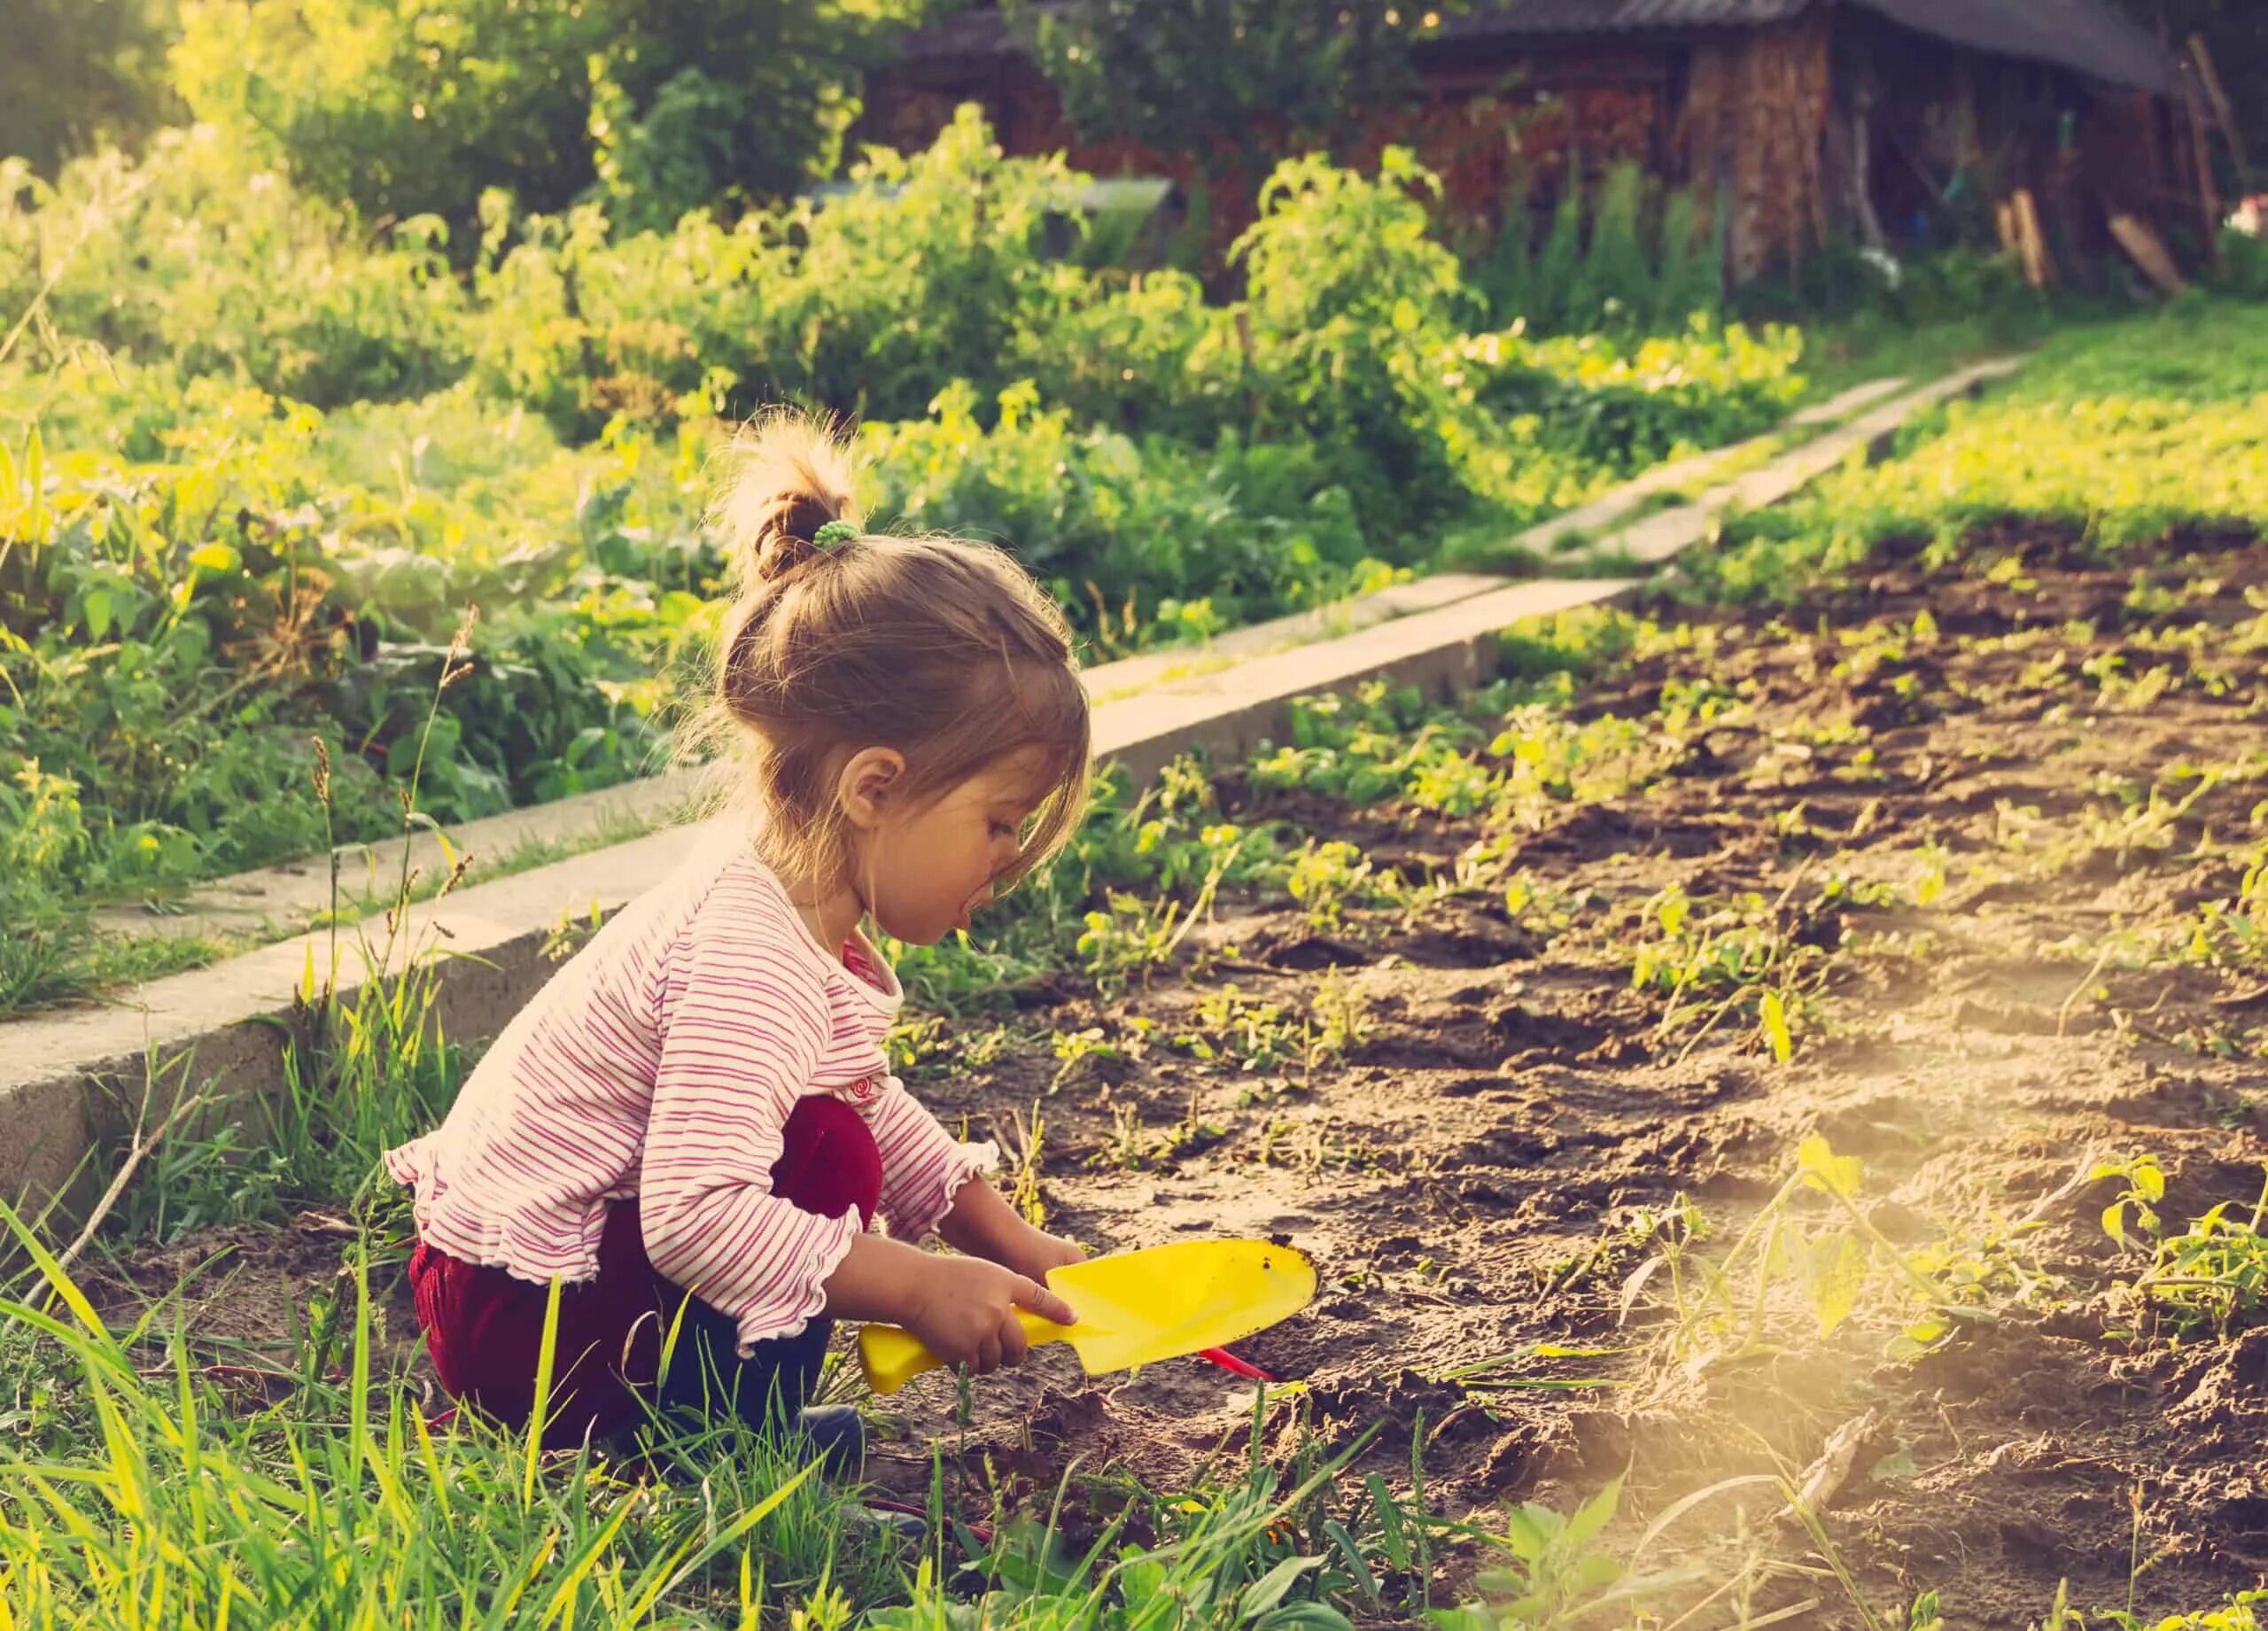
(2144, 1187)
(2212, 1275)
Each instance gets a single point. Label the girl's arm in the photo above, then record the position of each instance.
(982, 1225)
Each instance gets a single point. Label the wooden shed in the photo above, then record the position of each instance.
(1896, 124)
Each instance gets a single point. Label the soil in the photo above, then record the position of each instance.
(1473, 1174)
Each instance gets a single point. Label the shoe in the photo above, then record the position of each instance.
(836, 1437)
(890, 1524)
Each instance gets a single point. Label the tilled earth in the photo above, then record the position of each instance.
(1987, 851)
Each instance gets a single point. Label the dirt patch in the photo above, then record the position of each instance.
(1969, 809)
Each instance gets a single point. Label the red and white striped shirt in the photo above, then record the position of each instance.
(662, 1062)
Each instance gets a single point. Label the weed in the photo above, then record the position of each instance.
(1075, 1051)
(2212, 1275)
(1743, 958)
(178, 1506)
(1326, 877)
(1134, 936)
(1829, 1266)
(1025, 1165)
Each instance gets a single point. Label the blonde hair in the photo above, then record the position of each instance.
(942, 649)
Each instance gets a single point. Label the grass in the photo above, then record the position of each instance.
(2117, 433)
(157, 1474)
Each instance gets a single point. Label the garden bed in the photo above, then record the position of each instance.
(1971, 846)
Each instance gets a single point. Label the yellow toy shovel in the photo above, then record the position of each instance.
(1137, 1307)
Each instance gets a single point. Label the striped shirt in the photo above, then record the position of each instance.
(662, 1062)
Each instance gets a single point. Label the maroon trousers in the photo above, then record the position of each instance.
(484, 1328)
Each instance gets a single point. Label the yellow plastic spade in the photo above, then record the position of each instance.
(1137, 1307)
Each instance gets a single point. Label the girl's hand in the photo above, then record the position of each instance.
(965, 1312)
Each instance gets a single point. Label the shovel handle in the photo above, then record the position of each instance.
(892, 1357)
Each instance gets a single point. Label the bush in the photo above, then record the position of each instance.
(1350, 300)
(189, 255)
(1113, 525)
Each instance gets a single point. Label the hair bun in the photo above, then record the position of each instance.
(795, 476)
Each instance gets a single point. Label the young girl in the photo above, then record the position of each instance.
(693, 1127)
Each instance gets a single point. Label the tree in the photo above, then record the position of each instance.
(1199, 74)
(77, 71)
(417, 107)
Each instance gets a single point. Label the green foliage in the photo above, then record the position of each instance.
(1556, 1572)
(1552, 289)
(1812, 1241)
(2244, 263)
(407, 107)
(1350, 298)
(255, 461)
(1196, 78)
(1623, 262)
(1617, 281)
(1109, 520)
(186, 255)
(1690, 276)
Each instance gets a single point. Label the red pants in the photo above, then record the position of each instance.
(485, 1329)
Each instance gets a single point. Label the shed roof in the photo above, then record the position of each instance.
(2087, 37)
(2090, 37)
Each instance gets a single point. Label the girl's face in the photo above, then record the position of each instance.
(923, 871)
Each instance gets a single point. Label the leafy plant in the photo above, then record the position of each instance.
(2213, 1273)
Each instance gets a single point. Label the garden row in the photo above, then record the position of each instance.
(1770, 1082)
(256, 458)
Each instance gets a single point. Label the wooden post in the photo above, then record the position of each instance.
(2209, 196)
(2223, 110)
(1862, 202)
(2038, 268)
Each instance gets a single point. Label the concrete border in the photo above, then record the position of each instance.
(71, 1082)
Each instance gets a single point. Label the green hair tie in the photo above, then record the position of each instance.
(835, 532)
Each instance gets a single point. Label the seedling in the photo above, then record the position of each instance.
(2213, 1274)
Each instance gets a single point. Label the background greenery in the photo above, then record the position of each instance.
(257, 455)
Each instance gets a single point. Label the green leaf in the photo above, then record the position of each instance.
(1266, 1592)
(1356, 1568)
(1304, 1617)
(1389, 1515)
(1595, 1514)
(36, 479)
(1597, 1569)
(1839, 1275)
(215, 557)
(2150, 1180)
(1838, 1175)
(1899, 1464)
(1528, 1530)
(94, 606)
(1773, 1013)
(2113, 1221)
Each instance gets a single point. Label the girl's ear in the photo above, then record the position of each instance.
(868, 781)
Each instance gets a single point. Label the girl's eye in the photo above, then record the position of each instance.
(1001, 829)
